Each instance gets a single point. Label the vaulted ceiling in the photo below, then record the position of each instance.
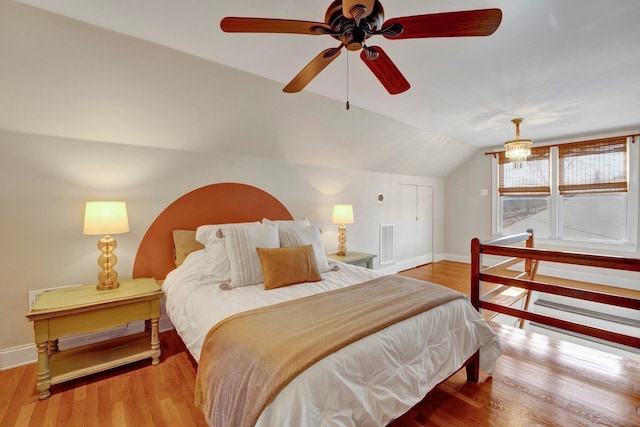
(568, 67)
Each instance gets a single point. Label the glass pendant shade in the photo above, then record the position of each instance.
(518, 150)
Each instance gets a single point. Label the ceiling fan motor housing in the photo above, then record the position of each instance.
(350, 33)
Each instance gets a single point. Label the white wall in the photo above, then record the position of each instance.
(468, 213)
(45, 181)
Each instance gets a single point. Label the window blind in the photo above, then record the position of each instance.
(598, 166)
(530, 180)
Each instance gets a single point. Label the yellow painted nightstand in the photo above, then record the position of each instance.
(361, 259)
(85, 309)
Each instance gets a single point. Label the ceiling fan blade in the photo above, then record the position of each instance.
(348, 4)
(312, 69)
(264, 25)
(483, 22)
(385, 70)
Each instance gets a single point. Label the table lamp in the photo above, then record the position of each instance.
(342, 214)
(106, 218)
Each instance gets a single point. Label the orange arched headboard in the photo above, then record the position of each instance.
(214, 204)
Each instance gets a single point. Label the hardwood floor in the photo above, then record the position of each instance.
(135, 395)
(538, 381)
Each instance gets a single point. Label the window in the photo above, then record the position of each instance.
(574, 192)
(524, 193)
(592, 187)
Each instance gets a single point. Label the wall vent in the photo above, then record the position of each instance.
(386, 244)
(34, 294)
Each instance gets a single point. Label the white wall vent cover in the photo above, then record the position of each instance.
(386, 244)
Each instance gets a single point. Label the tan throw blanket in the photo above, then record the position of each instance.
(248, 358)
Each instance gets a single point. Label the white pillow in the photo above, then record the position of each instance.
(206, 234)
(240, 244)
(305, 235)
(217, 262)
(286, 223)
(217, 268)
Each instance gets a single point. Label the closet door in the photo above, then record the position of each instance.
(406, 238)
(424, 223)
(415, 226)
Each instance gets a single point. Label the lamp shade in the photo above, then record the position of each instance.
(342, 214)
(105, 218)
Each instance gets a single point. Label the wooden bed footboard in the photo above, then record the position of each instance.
(497, 275)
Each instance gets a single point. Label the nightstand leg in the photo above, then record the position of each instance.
(44, 377)
(53, 347)
(155, 342)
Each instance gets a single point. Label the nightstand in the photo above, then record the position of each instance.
(354, 258)
(84, 309)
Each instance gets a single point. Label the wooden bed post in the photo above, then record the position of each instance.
(473, 367)
(473, 364)
(475, 273)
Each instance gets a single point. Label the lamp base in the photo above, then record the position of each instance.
(342, 240)
(107, 285)
(108, 277)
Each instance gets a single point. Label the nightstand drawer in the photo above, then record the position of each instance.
(99, 320)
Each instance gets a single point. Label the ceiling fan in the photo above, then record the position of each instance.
(353, 22)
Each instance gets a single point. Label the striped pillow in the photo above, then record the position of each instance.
(240, 244)
(305, 235)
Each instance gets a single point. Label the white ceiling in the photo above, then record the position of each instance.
(568, 67)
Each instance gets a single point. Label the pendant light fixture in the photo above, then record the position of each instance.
(518, 150)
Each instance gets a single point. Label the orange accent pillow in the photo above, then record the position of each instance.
(288, 266)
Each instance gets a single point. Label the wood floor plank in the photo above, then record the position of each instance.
(39, 412)
(90, 414)
(12, 376)
(118, 414)
(27, 397)
(78, 409)
(24, 417)
(65, 412)
(9, 413)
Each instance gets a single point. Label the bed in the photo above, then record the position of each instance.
(369, 380)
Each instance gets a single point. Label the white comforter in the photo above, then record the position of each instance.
(368, 383)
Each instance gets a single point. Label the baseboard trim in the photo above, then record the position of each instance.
(458, 258)
(24, 354)
(407, 264)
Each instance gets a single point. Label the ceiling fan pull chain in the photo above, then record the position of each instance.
(347, 80)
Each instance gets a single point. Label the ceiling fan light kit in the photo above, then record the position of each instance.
(353, 22)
